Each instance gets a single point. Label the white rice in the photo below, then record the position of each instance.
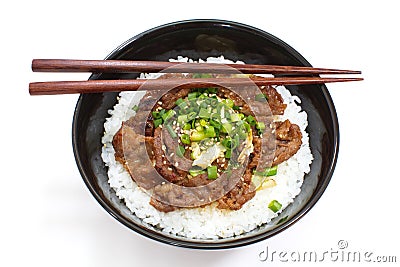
(208, 222)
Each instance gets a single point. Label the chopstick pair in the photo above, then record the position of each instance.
(125, 66)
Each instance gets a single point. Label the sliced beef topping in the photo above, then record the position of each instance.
(288, 141)
(163, 166)
(274, 99)
(242, 192)
(137, 140)
(132, 150)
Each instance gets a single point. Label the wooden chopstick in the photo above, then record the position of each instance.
(126, 66)
(98, 86)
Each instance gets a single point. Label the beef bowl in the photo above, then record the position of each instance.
(209, 124)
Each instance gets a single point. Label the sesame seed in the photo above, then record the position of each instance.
(170, 169)
(171, 154)
(176, 164)
(159, 102)
(163, 148)
(164, 162)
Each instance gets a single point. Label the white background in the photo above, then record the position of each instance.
(48, 216)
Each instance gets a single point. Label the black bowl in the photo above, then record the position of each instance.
(200, 39)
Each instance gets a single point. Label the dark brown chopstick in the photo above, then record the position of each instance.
(97, 86)
(125, 66)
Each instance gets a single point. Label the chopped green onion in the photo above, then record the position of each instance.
(215, 116)
(191, 116)
(185, 138)
(203, 122)
(168, 115)
(227, 142)
(157, 122)
(212, 172)
(228, 153)
(195, 172)
(192, 96)
(155, 114)
(235, 117)
(183, 107)
(212, 90)
(179, 101)
(162, 112)
(209, 132)
(274, 205)
(251, 120)
(228, 102)
(268, 171)
(187, 126)
(135, 108)
(182, 119)
(214, 102)
(199, 128)
(235, 141)
(260, 125)
(197, 136)
(261, 98)
(226, 128)
(204, 113)
(171, 131)
(215, 124)
(235, 107)
(180, 151)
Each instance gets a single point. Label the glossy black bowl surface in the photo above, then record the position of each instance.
(201, 39)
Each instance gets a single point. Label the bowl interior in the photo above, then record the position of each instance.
(201, 39)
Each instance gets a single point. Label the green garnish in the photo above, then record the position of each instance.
(228, 102)
(192, 96)
(212, 172)
(155, 114)
(195, 171)
(209, 132)
(185, 138)
(204, 113)
(227, 128)
(261, 98)
(187, 126)
(135, 108)
(179, 101)
(267, 172)
(215, 124)
(235, 117)
(168, 115)
(274, 205)
(180, 151)
(227, 142)
(251, 120)
(157, 122)
(182, 119)
(228, 153)
(191, 116)
(196, 136)
(171, 131)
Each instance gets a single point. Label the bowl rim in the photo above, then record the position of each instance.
(205, 244)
